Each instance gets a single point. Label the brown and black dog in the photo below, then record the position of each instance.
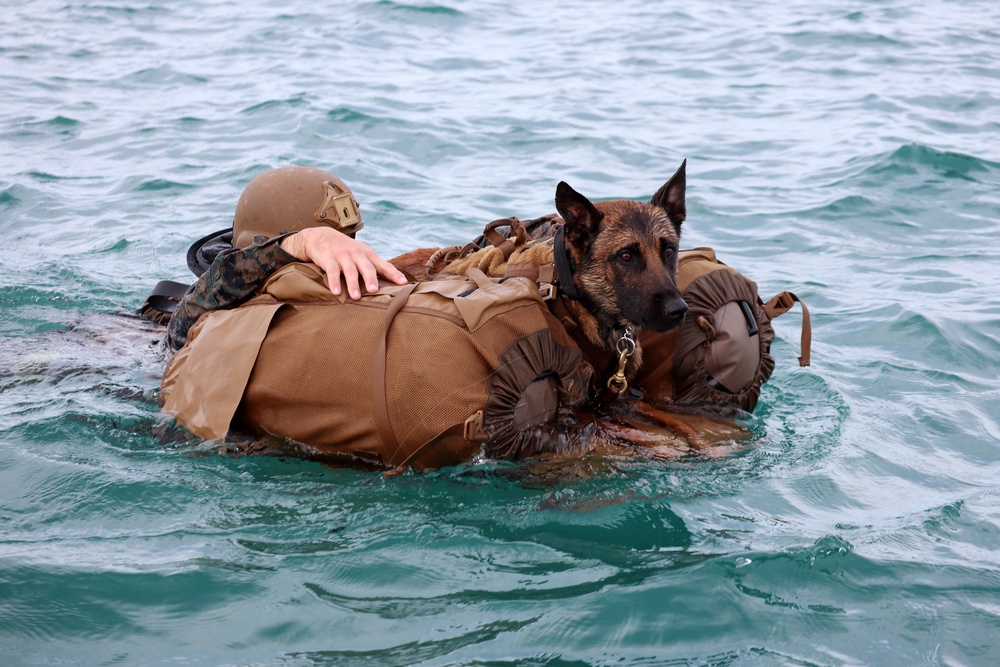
(616, 262)
(622, 262)
(616, 267)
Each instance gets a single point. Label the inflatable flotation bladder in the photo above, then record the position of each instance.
(721, 355)
(717, 360)
(418, 375)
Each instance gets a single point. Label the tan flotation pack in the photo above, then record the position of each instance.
(418, 375)
(428, 374)
(721, 355)
(717, 360)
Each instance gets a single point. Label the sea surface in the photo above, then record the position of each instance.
(846, 151)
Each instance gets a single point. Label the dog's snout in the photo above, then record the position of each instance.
(666, 311)
(676, 309)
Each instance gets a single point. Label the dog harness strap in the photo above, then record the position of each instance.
(379, 402)
(781, 303)
(564, 273)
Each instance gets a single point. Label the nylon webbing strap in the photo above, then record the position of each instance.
(166, 295)
(781, 303)
(506, 245)
(529, 271)
(482, 280)
(379, 367)
(564, 266)
(470, 429)
(564, 272)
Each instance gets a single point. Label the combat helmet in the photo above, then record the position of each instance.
(286, 199)
(289, 199)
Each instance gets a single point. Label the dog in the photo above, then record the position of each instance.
(616, 264)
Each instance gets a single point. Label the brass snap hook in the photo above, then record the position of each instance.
(625, 346)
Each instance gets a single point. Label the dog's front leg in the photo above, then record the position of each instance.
(610, 436)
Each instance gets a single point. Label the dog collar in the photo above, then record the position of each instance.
(564, 267)
(564, 273)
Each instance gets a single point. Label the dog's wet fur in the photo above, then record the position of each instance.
(625, 257)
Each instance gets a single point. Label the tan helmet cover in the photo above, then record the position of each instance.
(289, 199)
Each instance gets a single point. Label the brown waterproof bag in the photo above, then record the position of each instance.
(417, 375)
(717, 360)
(721, 355)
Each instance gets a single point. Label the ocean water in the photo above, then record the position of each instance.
(846, 151)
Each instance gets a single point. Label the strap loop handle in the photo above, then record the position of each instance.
(781, 303)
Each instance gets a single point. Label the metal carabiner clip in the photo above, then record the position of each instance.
(625, 346)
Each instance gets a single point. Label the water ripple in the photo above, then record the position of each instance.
(848, 154)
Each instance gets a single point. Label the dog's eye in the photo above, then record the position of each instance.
(625, 256)
(668, 250)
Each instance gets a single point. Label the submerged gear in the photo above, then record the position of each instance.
(367, 380)
(417, 375)
(288, 199)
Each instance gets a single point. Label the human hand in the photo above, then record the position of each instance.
(338, 254)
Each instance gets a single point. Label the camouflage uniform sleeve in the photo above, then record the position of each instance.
(234, 277)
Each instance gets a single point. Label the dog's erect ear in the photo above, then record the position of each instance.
(581, 217)
(671, 196)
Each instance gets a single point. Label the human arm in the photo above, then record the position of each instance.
(337, 255)
(233, 278)
(236, 275)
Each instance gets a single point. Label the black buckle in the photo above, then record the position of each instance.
(752, 328)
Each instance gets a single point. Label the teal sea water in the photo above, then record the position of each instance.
(847, 151)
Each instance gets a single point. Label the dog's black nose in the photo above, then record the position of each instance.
(667, 314)
(676, 310)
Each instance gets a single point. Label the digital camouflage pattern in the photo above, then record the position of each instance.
(234, 277)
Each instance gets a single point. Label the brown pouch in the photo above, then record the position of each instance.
(205, 380)
(720, 356)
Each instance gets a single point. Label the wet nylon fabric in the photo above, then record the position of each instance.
(531, 395)
(676, 363)
(206, 400)
(312, 376)
(705, 297)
